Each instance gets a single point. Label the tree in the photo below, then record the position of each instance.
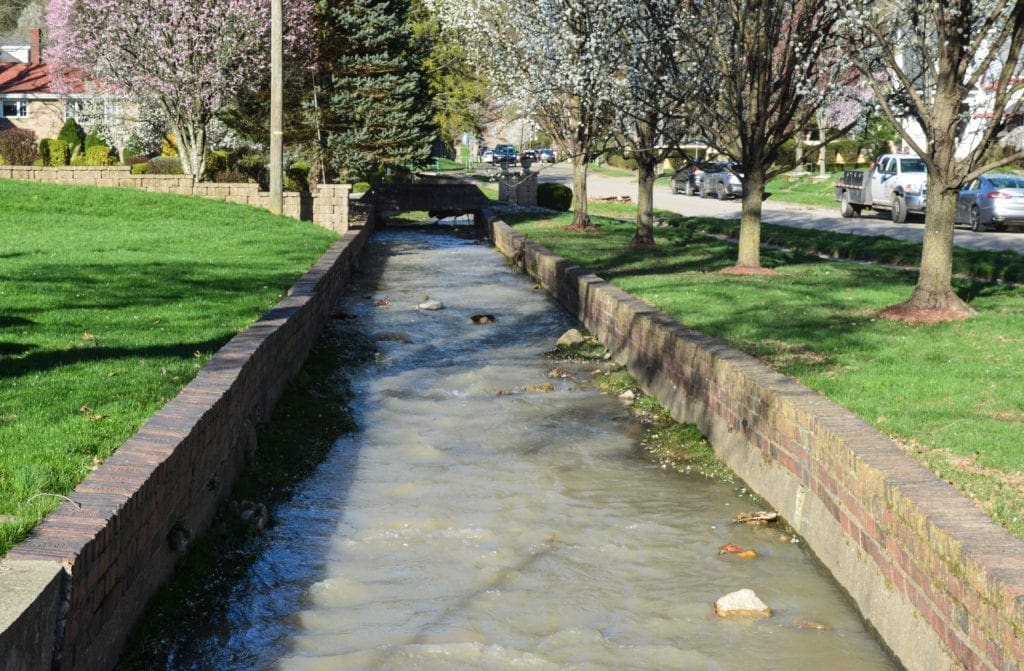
(649, 127)
(553, 60)
(10, 10)
(371, 103)
(191, 57)
(947, 75)
(456, 91)
(752, 74)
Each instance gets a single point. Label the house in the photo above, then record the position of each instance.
(28, 98)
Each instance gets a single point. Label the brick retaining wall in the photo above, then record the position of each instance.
(938, 579)
(328, 207)
(90, 567)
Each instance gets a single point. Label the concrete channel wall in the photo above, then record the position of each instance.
(71, 593)
(941, 583)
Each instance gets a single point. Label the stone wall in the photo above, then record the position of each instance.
(328, 207)
(938, 579)
(73, 590)
(518, 188)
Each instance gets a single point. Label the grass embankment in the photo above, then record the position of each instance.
(111, 300)
(950, 394)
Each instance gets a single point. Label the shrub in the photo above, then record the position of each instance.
(140, 168)
(216, 162)
(849, 150)
(55, 152)
(73, 135)
(232, 176)
(18, 146)
(165, 165)
(254, 167)
(554, 196)
(296, 177)
(169, 145)
(99, 154)
(78, 159)
(360, 187)
(93, 139)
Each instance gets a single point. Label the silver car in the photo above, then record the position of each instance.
(725, 182)
(992, 200)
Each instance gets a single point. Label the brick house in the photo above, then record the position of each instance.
(27, 96)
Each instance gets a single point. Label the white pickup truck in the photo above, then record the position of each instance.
(895, 182)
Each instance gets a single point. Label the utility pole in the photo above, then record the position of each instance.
(276, 109)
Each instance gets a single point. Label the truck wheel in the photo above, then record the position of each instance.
(976, 220)
(845, 208)
(899, 210)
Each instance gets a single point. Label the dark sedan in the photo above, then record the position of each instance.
(992, 200)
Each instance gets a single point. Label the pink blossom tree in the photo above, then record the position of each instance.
(191, 57)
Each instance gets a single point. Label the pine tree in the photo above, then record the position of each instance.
(372, 105)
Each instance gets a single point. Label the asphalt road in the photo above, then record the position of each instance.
(784, 214)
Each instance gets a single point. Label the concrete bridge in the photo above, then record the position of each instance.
(439, 197)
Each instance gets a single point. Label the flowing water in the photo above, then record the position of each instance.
(481, 520)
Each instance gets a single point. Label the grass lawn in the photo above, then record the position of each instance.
(110, 301)
(951, 394)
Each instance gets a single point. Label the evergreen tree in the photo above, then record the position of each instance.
(371, 104)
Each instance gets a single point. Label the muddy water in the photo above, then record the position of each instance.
(478, 522)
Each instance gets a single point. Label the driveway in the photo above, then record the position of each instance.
(783, 214)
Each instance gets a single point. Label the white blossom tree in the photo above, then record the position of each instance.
(751, 75)
(190, 56)
(558, 59)
(648, 120)
(948, 74)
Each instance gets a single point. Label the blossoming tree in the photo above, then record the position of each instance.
(557, 60)
(948, 74)
(189, 56)
(751, 75)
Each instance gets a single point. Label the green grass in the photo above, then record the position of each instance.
(110, 301)
(950, 393)
(805, 189)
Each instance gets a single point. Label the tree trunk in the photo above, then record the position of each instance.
(749, 253)
(644, 236)
(933, 299)
(580, 214)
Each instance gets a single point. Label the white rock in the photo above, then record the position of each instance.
(430, 305)
(571, 337)
(742, 603)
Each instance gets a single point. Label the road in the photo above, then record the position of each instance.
(783, 214)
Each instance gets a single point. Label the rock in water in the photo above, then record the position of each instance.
(430, 305)
(571, 337)
(742, 603)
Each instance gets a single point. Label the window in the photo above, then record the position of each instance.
(14, 108)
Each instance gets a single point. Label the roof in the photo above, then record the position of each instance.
(32, 78)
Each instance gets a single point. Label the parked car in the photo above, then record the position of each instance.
(546, 155)
(724, 180)
(992, 200)
(688, 179)
(504, 153)
(528, 155)
(487, 156)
